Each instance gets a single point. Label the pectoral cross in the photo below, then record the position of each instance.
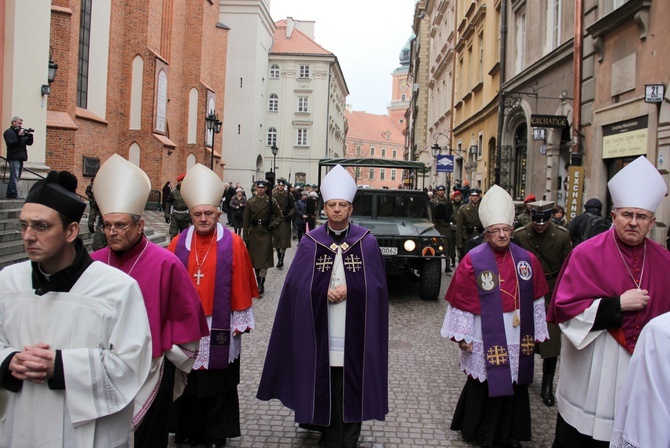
(198, 275)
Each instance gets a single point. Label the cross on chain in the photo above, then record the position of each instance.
(496, 355)
(324, 263)
(198, 275)
(527, 345)
(353, 263)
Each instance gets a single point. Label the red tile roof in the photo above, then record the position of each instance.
(367, 126)
(299, 43)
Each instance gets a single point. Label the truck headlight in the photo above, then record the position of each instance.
(409, 245)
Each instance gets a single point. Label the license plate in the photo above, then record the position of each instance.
(389, 250)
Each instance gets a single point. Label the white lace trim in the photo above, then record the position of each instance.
(240, 321)
(462, 325)
(619, 441)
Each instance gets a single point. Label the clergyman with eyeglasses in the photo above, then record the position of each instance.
(175, 314)
(609, 288)
(75, 344)
(496, 314)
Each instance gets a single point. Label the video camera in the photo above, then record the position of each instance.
(28, 131)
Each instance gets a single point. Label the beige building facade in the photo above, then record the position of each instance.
(625, 66)
(476, 85)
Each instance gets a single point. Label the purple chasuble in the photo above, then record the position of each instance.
(219, 339)
(297, 364)
(499, 375)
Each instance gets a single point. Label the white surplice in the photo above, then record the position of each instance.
(337, 314)
(643, 414)
(102, 330)
(593, 368)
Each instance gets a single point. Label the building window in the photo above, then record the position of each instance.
(302, 104)
(383, 152)
(402, 97)
(392, 174)
(372, 174)
(272, 136)
(304, 71)
(302, 137)
(84, 47)
(553, 22)
(273, 103)
(372, 151)
(395, 153)
(382, 174)
(520, 62)
(358, 150)
(480, 67)
(274, 71)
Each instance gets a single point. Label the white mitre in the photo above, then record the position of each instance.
(496, 207)
(338, 184)
(201, 186)
(638, 185)
(121, 187)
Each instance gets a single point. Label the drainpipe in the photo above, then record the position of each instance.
(501, 94)
(576, 155)
(330, 70)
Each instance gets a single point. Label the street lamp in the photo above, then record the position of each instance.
(214, 125)
(437, 150)
(51, 76)
(274, 150)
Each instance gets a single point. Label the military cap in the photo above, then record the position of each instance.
(440, 188)
(540, 211)
(475, 192)
(262, 183)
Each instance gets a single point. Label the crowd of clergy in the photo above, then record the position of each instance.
(132, 342)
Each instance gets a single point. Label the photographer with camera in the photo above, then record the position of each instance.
(17, 140)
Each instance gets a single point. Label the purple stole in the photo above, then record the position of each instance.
(496, 356)
(219, 337)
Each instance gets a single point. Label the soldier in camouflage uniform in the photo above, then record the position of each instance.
(260, 220)
(282, 233)
(550, 243)
(176, 212)
(441, 211)
(456, 204)
(523, 218)
(468, 225)
(95, 220)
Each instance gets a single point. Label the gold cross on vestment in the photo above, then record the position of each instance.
(198, 275)
(353, 263)
(496, 355)
(527, 345)
(324, 263)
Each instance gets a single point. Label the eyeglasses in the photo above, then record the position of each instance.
(498, 231)
(640, 217)
(38, 227)
(118, 230)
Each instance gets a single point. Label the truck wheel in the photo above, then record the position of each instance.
(431, 279)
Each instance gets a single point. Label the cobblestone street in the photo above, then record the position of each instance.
(424, 380)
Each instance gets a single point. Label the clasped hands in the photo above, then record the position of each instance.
(337, 294)
(35, 363)
(634, 299)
